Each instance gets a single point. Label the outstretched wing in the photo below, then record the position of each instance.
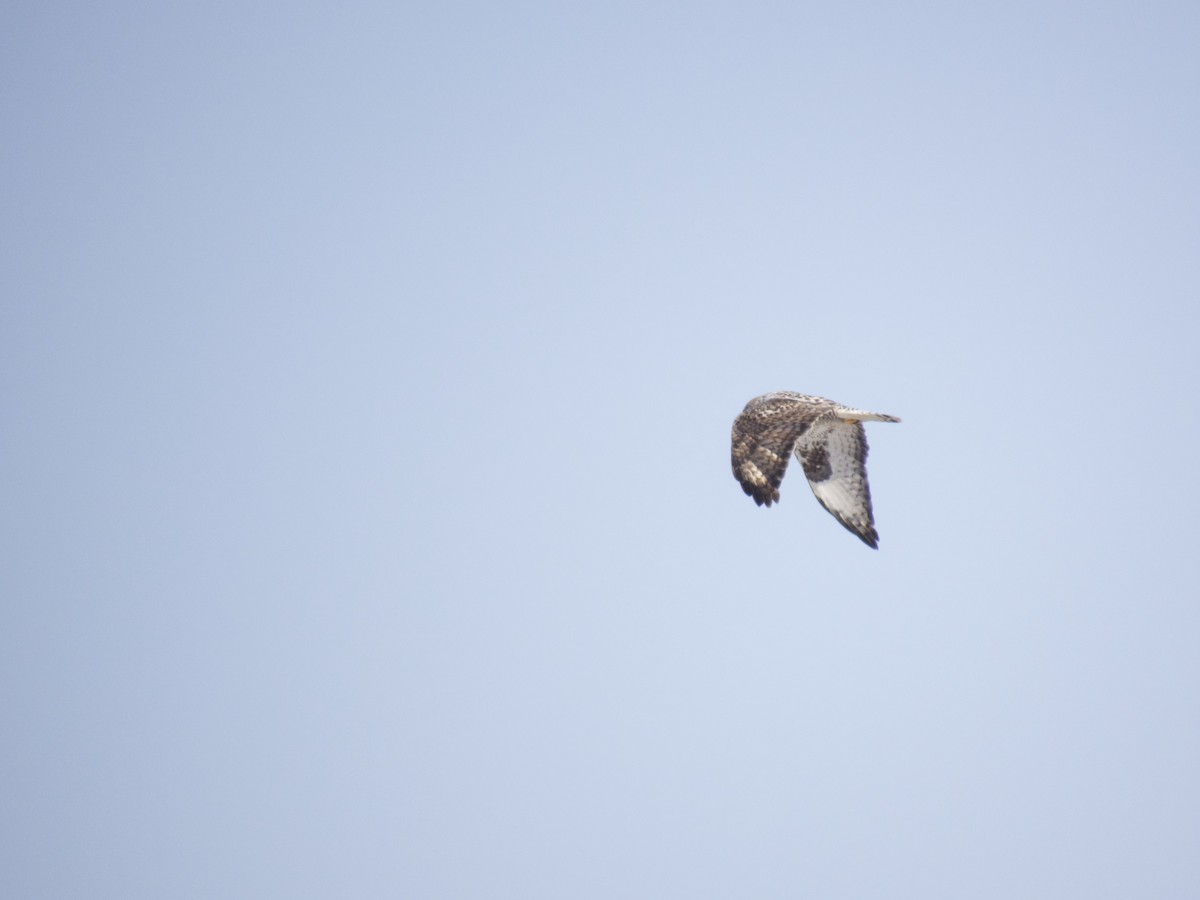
(835, 463)
(763, 438)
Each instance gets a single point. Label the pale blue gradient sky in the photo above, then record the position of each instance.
(366, 518)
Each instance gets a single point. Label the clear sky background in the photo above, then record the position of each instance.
(366, 520)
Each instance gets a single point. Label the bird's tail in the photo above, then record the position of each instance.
(861, 415)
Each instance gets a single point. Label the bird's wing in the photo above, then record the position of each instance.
(763, 439)
(835, 463)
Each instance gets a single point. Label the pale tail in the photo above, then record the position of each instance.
(861, 415)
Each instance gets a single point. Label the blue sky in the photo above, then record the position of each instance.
(367, 522)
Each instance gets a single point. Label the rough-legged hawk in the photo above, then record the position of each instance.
(830, 443)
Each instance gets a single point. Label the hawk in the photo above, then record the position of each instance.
(830, 443)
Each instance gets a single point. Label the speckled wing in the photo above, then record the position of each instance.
(763, 438)
(835, 463)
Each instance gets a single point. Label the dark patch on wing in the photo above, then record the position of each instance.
(816, 462)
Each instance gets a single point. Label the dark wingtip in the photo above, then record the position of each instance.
(868, 536)
(761, 497)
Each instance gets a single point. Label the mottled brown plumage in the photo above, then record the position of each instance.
(830, 443)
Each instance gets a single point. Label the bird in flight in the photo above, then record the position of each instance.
(830, 443)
